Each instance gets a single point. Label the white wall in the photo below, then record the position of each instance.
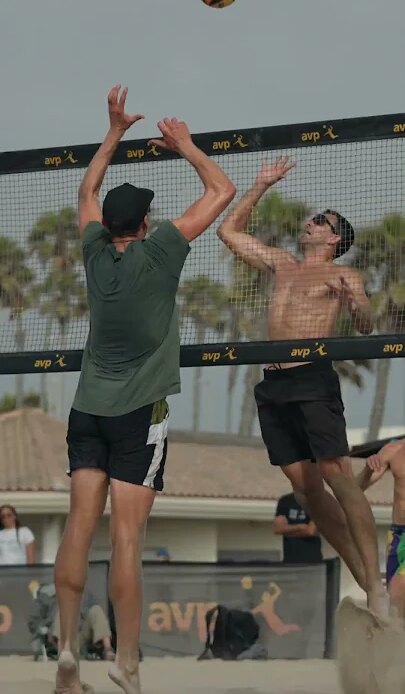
(47, 531)
(248, 535)
(185, 540)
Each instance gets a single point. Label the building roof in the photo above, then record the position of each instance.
(33, 457)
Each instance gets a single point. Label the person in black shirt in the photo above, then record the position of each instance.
(301, 541)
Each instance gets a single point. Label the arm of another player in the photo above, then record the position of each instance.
(375, 468)
(89, 205)
(219, 190)
(233, 231)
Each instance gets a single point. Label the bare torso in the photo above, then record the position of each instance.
(303, 306)
(397, 466)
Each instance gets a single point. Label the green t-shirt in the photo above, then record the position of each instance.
(132, 355)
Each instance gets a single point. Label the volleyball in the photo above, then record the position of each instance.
(218, 4)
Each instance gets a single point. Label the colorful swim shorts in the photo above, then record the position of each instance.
(395, 551)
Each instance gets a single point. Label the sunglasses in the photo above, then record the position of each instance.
(321, 219)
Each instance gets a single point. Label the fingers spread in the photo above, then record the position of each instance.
(113, 94)
(123, 97)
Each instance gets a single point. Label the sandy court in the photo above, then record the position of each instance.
(184, 676)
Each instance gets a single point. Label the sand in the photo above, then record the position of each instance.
(184, 676)
(371, 651)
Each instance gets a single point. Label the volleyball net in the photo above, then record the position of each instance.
(356, 166)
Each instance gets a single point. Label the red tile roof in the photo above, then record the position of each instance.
(33, 457)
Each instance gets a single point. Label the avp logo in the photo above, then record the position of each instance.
(169, 617)
(140, 153)
(58, 160)
(305, 352)
(393, 349)
(314, 136)
(399, 128)
(47, 363)
(135, 153)
(225, 145)
(213, 357)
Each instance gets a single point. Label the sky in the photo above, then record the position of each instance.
(257, 63)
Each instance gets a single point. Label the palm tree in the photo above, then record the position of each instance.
(204, 302)
(61, 293)
(381, 259)
(15, 280)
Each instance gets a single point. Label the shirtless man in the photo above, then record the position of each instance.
(299, 405)
(392, 457)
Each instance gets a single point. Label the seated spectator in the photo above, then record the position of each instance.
(301, 541)
(94, 631)
(17, 542)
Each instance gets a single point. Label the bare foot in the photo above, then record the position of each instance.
(67, 676)
(127, 679)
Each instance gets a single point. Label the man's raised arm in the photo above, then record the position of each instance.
(219, 190)
(233, 231)
(89, 205)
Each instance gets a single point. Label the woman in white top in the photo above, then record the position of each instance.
(17, 543)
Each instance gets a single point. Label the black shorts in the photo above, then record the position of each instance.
(131, 447)
(301, 414)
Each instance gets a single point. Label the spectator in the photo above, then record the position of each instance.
(17, 542)
(301, 541)
(94, 629)
(163, 555)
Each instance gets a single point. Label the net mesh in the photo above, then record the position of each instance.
(42, 282)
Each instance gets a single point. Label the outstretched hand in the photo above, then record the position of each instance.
(377, 464)
(120, 120)
(176, 135)
(271, 173)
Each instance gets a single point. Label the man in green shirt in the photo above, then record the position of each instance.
(118, 423)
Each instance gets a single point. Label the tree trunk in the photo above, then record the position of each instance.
(197, 385)
(43, 388)
(248, 413)
(62, 376)
(380, 395)
(19, 379)
(232, 378)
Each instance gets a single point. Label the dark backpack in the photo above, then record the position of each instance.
(235, 631)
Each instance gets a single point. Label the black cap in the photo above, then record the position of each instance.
(125, 207)
(346, 232)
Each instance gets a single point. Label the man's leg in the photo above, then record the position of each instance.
(130, 508)
(87, 502)
(396, 591)
(286, 440)
(324, 510)
(96, 630)
(339, 476)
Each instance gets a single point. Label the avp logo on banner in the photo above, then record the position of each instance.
(164, 617)
(291, 617)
